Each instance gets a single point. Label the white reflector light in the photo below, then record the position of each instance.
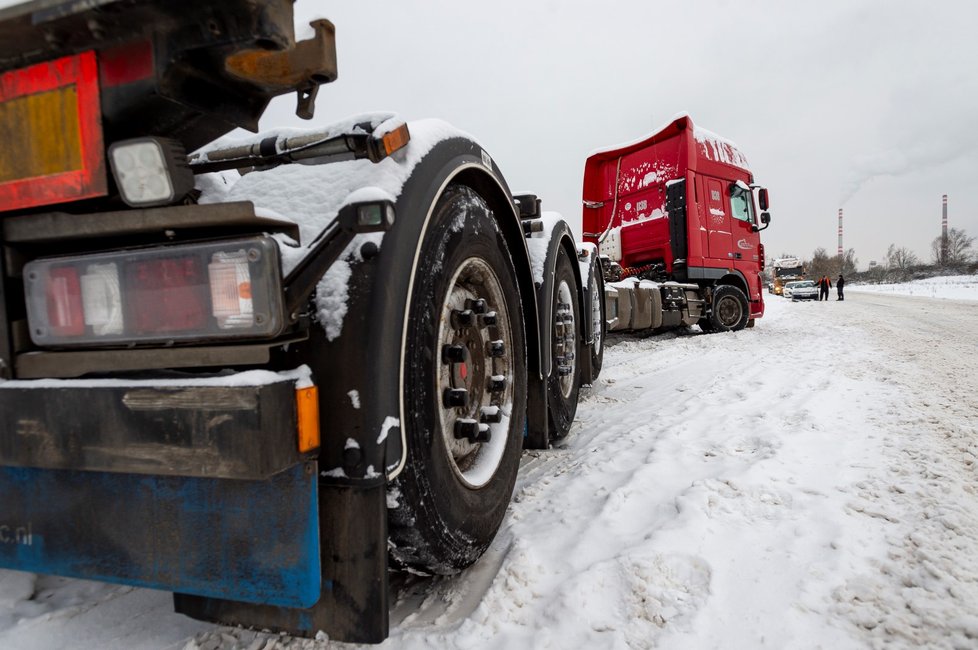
(101, 299)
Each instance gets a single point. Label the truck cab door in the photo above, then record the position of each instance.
(718, 220)
(744, 239)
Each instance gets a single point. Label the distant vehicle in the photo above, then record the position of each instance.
(803, 290)
(677, 217)
(786, 269)
(789, 287)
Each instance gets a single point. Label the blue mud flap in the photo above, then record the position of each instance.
(251, 541)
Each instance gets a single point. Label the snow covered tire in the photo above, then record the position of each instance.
(730, 311)
(465, 391)
(564, 384)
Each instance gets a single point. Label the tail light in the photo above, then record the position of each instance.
(176, 293)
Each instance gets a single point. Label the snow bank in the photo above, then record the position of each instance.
(955, 287)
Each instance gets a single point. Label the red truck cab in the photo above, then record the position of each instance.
(678, 205)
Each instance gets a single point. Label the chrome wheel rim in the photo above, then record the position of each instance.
(474, 381)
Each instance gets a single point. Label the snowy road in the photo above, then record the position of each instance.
(808, 483)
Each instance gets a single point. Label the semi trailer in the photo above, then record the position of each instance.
(262, 374)
(676, 217)
(260, 400)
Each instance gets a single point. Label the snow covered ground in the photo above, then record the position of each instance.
(809, 483)
(955, 287)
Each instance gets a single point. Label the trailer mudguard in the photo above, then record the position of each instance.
(593, 272)
(371, 346)
(538, 434)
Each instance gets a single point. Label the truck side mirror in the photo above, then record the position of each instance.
(762, 199)
(765, 219)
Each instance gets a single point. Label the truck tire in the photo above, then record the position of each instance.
(597, 322)
(564, 384)
(465, 391)
(730, 312)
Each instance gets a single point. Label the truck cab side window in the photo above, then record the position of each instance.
(740, 205)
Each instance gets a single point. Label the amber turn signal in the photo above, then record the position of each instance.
(307, 410)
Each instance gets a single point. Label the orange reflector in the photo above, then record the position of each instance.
(307, 410)
(396, 139)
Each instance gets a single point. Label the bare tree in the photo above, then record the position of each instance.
(846, 263)
(819, 265)
(901, 259)
(959, 249)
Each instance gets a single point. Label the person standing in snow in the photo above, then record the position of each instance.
(823, 288)
(841, 282)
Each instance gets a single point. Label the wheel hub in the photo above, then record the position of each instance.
(475, 376)
(729, 311)
(565, 337)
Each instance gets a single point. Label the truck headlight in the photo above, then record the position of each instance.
(151, 171)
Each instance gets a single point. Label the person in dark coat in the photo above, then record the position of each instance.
(841, 282)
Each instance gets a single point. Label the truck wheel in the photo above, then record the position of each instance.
(465, 390)
(564, 384)
(597, 322)
(731, 311)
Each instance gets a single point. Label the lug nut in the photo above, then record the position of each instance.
(462, 318)
(564, 370)
(488, 319)
(496, 349)
(491, 415)
(455, 398)
(479, 306)
(497, 384)
(466, 429)
(484, 435)
(454, 354)
(472, 431)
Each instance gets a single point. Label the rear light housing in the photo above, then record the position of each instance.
(190, 292)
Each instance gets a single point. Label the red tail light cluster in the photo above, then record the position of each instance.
(199, 291)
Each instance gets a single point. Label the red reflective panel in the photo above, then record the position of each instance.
(166, 295)
(51, 113)
(63, 293)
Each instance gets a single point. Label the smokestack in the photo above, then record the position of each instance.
(944, 229)
(840, 232)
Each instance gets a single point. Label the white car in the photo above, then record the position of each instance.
(801, 290)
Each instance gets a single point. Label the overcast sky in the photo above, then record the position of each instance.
(871, 106)
(867, 105)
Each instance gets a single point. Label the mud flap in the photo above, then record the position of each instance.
(353, 604)
(249, 540)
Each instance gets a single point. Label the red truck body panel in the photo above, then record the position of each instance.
(625, 188)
